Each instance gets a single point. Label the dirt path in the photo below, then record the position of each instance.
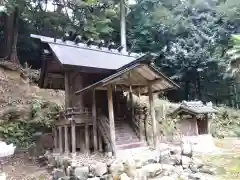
(20, 167)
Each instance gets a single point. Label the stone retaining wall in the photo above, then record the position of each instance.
(166, 163)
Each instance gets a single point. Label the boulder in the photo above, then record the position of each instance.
(66, 178)
(208, 170)
(184, 175)
(81, 172)
(149, 158)
(164, 178)
(124, 176)
(51, 160)
(176, 159)
(165, 157)
(178, 170)
(186, 161)
(94, 178)
(193, 168)
(58, 173)
(100, 169)
(138, 163)
(130, 168)
(197, 176)
(140, 175)
(197, 163)
(186, 149)
(151, 170)
(116, 168)
(167, 168)
(175, 150)
(106, 177)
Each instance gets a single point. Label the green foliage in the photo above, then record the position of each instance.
(227, 122)
(18, 132)
(43, 113)
(18, 129)
(191, 38)
(234, 54)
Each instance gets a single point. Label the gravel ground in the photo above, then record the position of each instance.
(19, 167)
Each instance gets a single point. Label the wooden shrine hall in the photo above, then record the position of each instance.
(94, 78)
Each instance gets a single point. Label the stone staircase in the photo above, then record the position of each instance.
(126, 138)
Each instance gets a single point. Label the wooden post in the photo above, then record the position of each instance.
(66, 139)
(60, 139)
(140, 125)
(86, 135)
(66, 83)
(100, 143)
(152, 112)
(73, 131)
(208, 124)
(55, 138)
(111, 119)
(94, 117)
(131, 102)
(195, 119)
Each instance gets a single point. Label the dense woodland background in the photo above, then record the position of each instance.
(190, 37)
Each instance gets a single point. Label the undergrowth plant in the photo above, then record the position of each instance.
(20, 131)
(226, 123)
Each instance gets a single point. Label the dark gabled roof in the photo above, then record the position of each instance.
(194, 108)
(81, 55)
(142, 74)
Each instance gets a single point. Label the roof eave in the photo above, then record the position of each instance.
(175, 85)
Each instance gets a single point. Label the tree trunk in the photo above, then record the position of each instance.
(9, 47)
(199, 94)
(8, 36)
(186, 89)
(13, 57)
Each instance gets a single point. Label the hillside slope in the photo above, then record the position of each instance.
(24, 107)
(16, 90)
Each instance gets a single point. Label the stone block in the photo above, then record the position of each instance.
(100, 169)
(81, 172)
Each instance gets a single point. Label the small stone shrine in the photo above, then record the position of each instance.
(195, 117)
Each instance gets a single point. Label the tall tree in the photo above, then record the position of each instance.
(10, 31)
(191, 39)
(234, 54)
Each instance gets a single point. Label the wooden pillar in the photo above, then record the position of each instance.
(94, 117)
(140, 124)
(196, 124)
(111, 119)
(67, 92)
(60, 139)
(100, 143)
(141, 130)
(131, 102)
(152, 112)
(73, 133)
(86, 136)
(208, 124)
(55, 137)
(66, 143)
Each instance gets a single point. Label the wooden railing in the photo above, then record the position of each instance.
(139, 117)
(104, 129)
(79, 115)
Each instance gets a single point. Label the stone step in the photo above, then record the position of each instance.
(127, 142)
(130, 145)
(124, 130)
(125, 133)
(126, 138)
